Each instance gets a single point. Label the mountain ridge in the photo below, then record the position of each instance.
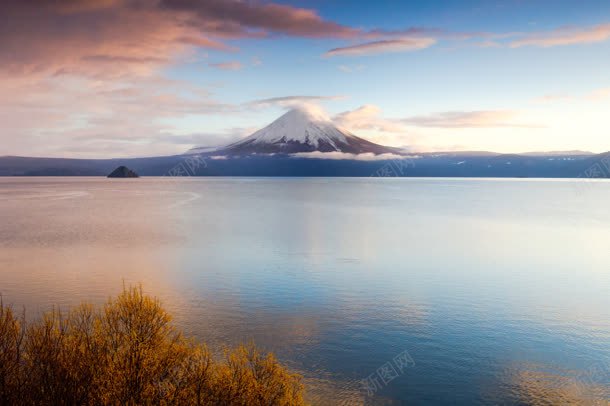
(422, 165)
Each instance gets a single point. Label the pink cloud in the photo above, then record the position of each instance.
(383, 46)
(110, 41)
(595, 95)
(202, 42)
(110, 38)
(469, 119)
(367, 117)
(232, 17)
(565, 36)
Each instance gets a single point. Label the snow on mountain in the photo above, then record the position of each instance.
(303, 129)
(301, 126)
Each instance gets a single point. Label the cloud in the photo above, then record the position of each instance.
(84, 118)
(595, 95)
(47, 37)
(549, 98)
(488, 44)
(367, 117)
(233, 18)
(204, 43)
(117, 38)
(344, 155)
(599, 94)
(231, 65)
(564, 36)
(291, 101)
(383, 46)
(468, 119)
(410, 32)
(417, 38)
(350, 69)
(412, 39)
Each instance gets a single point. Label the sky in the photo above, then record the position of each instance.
(125, 78)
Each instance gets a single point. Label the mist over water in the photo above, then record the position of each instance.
(496, 289)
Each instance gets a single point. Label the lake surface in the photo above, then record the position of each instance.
(436, 290)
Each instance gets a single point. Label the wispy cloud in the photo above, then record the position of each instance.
(550, 98)
(350, 69)
(595, 95)
(417, 38)
(231, 65)
(204, 43)
(469, 119)
(564, 36)
(290, 101)
(383, 46)
(488, 44)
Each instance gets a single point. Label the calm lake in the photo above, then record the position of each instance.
(433, 291)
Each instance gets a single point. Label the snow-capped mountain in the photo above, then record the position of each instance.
(302, 130)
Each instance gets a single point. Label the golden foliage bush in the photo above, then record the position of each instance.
(11, 339)
(129, 353)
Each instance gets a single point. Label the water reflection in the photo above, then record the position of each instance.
(538, 385)
(337, 276)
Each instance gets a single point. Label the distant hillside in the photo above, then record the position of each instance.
(450, 164)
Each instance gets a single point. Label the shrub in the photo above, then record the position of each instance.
(128, 352)
(11, 339)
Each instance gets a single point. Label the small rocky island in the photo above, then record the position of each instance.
(123, 172)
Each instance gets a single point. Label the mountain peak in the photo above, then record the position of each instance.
(303, 129)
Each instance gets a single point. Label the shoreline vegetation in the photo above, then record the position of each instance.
(128, 352)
